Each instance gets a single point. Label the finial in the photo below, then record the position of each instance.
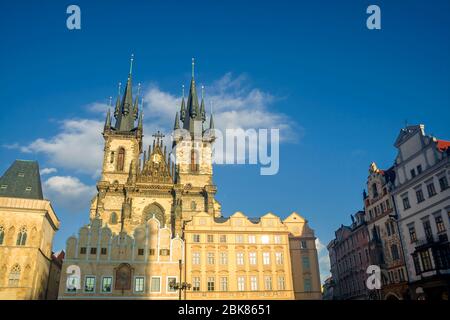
(110, 101)
(120, 86)
(203, 92)
(142, 104)
(131, 63)
(139, 88)
(193, 67)
(182, 89)
(211, 106)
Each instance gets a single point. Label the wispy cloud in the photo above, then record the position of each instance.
(324, 260)
(48, 171)
(68, 192)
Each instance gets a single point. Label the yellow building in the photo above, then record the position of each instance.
(149, 210)
(27, 226)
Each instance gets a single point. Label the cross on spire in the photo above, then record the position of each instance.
(158, 135)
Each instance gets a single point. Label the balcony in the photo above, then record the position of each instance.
(431, 241)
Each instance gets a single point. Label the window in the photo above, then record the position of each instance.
(443, 183)
(252, 258)
(194, 160)
(281, 283)
(89, 284)
(4, 186)
(253, 283)
(439, 224)
(374, 190)
(210, 238)
(394, 252)
(413, 173)
(251, 239)
(307, 285)
(83, 250)
(14, 276)
(412, 234)
(265, 239)
(164, 252)
(211, 259)
(223, 238)
(267, 283)
(419, 169)
(93, 250)
(2, 234)
(426, 260)
(211, 283)
(266, 258)
(241, 283)
(113, 218)
(120, 159)
(427, 229)
(303, 244)
(139, 284)
(279, 257)
(406, 204)
(151, 252)
(277, 239)
(416, 263)
(223, 284)
(28, 189)
(196, 258)
(239, 238)
(431, 189)
(106, 284)
(223, 258)
(140, 252)
(306, 263)
(196, 284)
(155, 284)
(195, 238)
(171, 281)
(22, 237)
(103, 251)
(419, 195)
(240, 258)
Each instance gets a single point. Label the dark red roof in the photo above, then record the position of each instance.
(443, 145)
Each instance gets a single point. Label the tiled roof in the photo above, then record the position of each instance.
(443, 145)
(22, 180)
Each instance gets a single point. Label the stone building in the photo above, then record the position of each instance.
(422, 197)
(147, 222)
(385, 247)
(27, 226)
(349, 258)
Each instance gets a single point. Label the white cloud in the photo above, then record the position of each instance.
(78, 146)
(324, 260)
(68, 192)
(98, 107)
(48, 171)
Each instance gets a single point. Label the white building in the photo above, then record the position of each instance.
(422, 199)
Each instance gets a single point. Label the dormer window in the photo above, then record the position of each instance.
(28, 189)
(21, 174)
(4, 186)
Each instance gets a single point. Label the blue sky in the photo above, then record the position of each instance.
(342, 91)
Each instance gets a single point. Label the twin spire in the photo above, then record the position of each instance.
(126, 112)
(191, 112)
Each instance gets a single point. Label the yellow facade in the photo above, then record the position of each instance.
(25, 264)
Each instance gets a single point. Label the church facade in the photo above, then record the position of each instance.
(156, 230)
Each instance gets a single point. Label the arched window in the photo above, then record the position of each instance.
(113, 218)
(374, 190)
(22, 237)
(194, 160)
(120, 159)
(14, 276)
(2, 234)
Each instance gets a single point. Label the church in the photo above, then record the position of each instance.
(156, 229)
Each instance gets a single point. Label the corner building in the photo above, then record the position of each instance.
(156, 222)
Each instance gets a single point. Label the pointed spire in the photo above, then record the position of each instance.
(140, 121)
(211, 122)
(202, 105)
(108, 120)
(136, 103)
(177, 123)
(117, 110)
(183, 106)
(193, 68)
